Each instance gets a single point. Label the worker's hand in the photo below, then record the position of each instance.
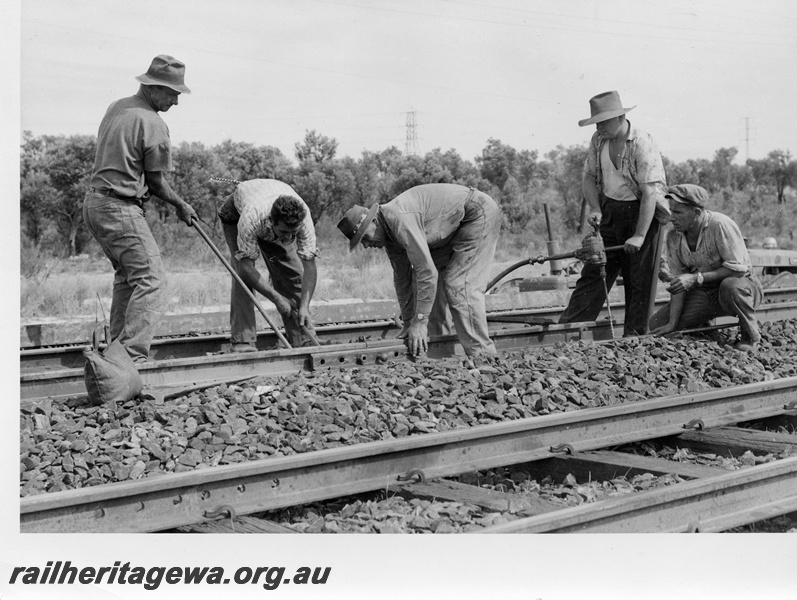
(417, 337)
(682, 283)
(186, 213)
(594, 219)
(664, 329)
(403, 333)
(303, 317)
(633, 244)
(284, 307)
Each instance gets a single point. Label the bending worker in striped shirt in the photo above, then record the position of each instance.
(440, 239)
(267, 216)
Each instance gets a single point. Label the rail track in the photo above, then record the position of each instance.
(181, 499)
(187, 362)
(190, 499)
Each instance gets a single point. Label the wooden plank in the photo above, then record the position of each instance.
(240, 525)
(470, 494)
(603, 465)
(735, 441)
(711, 504)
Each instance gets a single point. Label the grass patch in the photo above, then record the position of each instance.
(82, 287)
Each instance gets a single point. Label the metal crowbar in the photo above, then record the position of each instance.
(195, 225)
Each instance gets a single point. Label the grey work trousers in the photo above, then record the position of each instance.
(138, 302)
(463, 272)
(734, 297)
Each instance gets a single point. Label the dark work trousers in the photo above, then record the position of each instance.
(618, 222)
(285, 269)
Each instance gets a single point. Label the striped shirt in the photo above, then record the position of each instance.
(719, 244)
(253, 199)
(641, 164)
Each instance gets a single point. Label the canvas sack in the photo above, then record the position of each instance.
(111, 376)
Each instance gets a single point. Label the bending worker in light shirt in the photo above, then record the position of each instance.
(440, 239)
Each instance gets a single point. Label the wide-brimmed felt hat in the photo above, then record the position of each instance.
(166, 70)
(356, 221)
(603, 107)
(688, 193)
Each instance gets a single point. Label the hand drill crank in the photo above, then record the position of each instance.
(591, 252)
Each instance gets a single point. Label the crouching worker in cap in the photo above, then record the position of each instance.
(267, 216)
(133, 153)
(711, 272)
(440, 239)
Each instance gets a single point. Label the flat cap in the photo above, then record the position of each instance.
(688, 193)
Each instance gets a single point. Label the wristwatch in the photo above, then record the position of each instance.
(420, 316)
(700, 278)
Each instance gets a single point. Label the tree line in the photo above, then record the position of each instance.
(55, 172)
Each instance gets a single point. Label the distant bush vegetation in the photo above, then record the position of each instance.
(54, 173)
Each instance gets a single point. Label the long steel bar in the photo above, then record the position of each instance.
(33, 359)
(707, 505)
(39, 359)
(64, 383)
(184, 498)
(244, 287)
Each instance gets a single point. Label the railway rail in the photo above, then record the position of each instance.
(342, 325)
(189, 499)
(181, 363)
(181, 499)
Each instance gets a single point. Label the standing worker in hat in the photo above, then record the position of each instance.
(133, 152)
(267, 216)
(440, 239)
(623, 183)
(711, 271)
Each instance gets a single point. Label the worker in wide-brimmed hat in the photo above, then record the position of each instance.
(711, 274)
(623, 184)
(133, 153)
(440, 239)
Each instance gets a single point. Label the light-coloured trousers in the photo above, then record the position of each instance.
(124, 235)
(463, 273)
(734, 297)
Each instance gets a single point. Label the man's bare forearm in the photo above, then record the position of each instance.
(309, 279)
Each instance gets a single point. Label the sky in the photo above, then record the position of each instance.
(702, 75)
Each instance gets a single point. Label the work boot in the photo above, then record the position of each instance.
(243, 347)
(745, 346)
(747, 343)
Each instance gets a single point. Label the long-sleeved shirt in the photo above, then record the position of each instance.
(419, 221)
(719, 244)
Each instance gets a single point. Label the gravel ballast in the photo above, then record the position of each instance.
(73, 445)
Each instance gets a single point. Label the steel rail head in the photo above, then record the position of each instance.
(307, 477)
